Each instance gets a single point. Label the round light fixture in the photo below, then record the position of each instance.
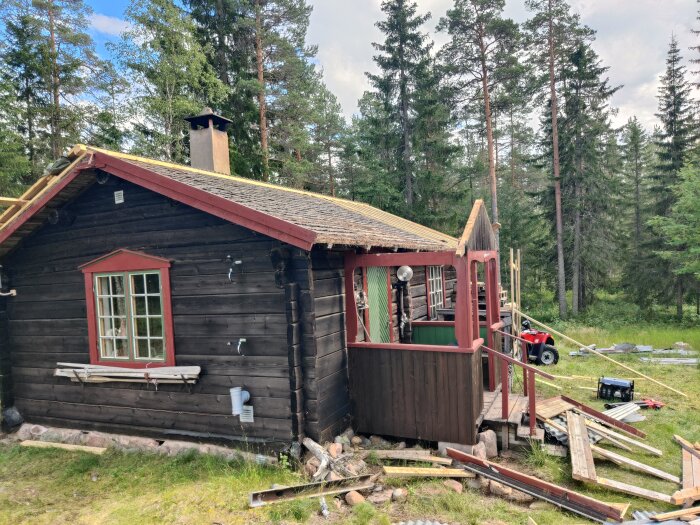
(404, 273)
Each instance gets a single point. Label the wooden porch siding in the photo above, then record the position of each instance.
(432, 396)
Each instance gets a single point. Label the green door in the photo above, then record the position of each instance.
(378, 299)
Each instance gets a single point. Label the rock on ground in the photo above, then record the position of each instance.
(498, 489)
(454, 485)
(490, 442)
(353, 498)
(335, 449)
(399, 495)
(381, 497)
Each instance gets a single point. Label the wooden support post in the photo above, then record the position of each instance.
(489, 333)
(532, 410)
(504, 390)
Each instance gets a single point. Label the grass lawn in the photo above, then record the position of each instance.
(57, 487)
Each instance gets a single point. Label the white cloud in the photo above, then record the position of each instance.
(632, 38)
(109, 25)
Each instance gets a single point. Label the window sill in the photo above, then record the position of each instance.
(83, 373)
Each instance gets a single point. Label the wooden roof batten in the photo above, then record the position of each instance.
(298, 217)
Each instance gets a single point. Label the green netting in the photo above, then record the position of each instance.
(378, 298)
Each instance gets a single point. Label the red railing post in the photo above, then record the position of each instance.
(531, 401)
(504, 389)
(523, 347)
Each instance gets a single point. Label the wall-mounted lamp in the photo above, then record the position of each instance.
(238, 346)
(11, 293)
(404, 273)
(234, 266)
(102, 177)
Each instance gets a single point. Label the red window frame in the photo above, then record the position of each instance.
(121, 261)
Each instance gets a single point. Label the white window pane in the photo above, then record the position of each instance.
(142, 348)
(141, 327)
(155, 327)
(157, 349)
(153, 283)
(139, 305)
(102, 286)
(138, 284)
(154, 307)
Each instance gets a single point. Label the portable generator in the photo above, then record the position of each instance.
(611, 388)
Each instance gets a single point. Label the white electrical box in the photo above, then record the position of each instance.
(119, 197)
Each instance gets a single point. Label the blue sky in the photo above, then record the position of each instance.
(632, 38)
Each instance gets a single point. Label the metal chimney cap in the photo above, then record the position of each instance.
(205, 116)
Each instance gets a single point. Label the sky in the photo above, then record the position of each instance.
(632, 39)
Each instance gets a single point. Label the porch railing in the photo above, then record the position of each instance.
(529, 373)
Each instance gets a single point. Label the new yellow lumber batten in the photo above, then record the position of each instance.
(593, 351)
(681, 496)
(676, 514)
(75, 448)
(409, 472)
(11, 201)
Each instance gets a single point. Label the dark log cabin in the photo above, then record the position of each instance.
(161, 270)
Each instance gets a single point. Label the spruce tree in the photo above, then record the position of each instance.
(675, 139)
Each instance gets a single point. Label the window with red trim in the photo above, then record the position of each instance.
(436, 291)
(129, 310)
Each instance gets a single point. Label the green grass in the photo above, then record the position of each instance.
(41, 486)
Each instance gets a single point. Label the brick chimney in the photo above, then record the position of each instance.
(209, 142)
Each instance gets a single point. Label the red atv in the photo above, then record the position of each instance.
(540, 346)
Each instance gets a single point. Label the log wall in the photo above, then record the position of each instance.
(47, 322)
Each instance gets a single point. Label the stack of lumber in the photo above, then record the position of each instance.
(82, 373)
(626, 413)
(582, 423)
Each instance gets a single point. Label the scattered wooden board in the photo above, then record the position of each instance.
(598, 428)
(691, 470)
(624, 507)
(582, 466)
(632, 490)
(665, 516)
(75, 448)
(552, 407)
(622, 427)
(410, 472)
(683, 496)
(409, 455)
(687, 445)
(635, 465)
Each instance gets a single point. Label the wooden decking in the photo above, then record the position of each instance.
(511, 431)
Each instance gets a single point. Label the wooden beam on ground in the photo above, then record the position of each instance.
(632, 490)
(423, 456)
(635, 465)
(309, 490)
(552, 407)
(582, 466)
(691, 470)
(600, 429)
(411, 472)
(623, 427)
(563, 429)
(665, 516)
(686, 445)
(680, 497)
(562, 497)
(593, 351)
(64, 446)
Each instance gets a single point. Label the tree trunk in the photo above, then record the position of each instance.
(561, 271)
(221, 64)
(679, 298)
(55, 85)
(489, 136)
(577, 303)
(261, 91)
(331, 178)
(512, 148)
(406, 157)
(637, 207)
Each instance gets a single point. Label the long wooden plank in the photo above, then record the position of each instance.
(573, 501)
(10, 201)
(411, 472)
(691, 470)
(552, 407)
(600, 429)
(665, 516)
(63, 446)
(423, 456)
(582, 466)
(632, 490)
(624, 427)
(635, 465)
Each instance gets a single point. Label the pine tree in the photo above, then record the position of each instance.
(551, 32)
(482, 54)
(328, 132)
(696, 49)
(173, 78)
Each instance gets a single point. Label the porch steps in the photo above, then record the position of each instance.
(513, 431)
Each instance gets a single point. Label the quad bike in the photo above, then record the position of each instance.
(540, 346)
